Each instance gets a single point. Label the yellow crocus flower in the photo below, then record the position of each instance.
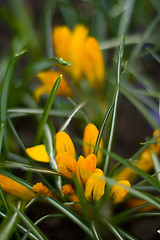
(48, 79)
(11, 186)
(118, 192)
(83, 52)
(89, 141)
(94, 188)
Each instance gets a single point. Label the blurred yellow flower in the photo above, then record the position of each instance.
(48, 79)
(42, 190)
(83, 52)
(118, 192)
(144, 162)
(38, 153)
(89, 141)
(94, 188)
(11, 186)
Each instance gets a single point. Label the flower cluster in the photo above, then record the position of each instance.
(84, 53)
(90, 177)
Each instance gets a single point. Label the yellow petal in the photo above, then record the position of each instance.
(93, 63)
(76, 52)
(126, 174)
(86, 167)
(66, 164)
(64, 144)
(38, 153)
(118, 193)
(89, 141)
(94, 188)
(67, 189)
(145, 161)
(10, 186)
(61, 38)
(42, 190)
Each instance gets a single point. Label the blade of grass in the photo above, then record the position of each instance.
(115, 102)
(43, 64)
(5, 92)
(3, 199)
(33, 228)
(77, 109)
(95, 232)
(46, 110)
(102, 129)
(70, 215)
(8, 225)
(34, 111)
(143, 174)
(21, 228)
(113, 229)
(126, 234)
(156, 165)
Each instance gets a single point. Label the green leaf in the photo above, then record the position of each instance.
(8, 225)
(115, 105)
(3, 199)
(77, 109)
(143, 174)
(33, 228)
(46, 110)
(113, 229)
(70, 215)
(44, 64)
(5, 92)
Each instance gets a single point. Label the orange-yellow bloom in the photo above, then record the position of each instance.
(64, 144)
(83, 52)
(118, 193)
(94, 188)
(68, 189)
(11, 186)
(42, 190)
(89, 141)
(66, 164)
(48, 79)
(86, 167)
(38, 153)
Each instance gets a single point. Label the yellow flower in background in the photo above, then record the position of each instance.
(38, 153)
(42, 190)
(144, 162)
(11, 186)
(94, 188)
(64, 144)
(48, 79)
(89, 141)
(83, 52)
(118, 192)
